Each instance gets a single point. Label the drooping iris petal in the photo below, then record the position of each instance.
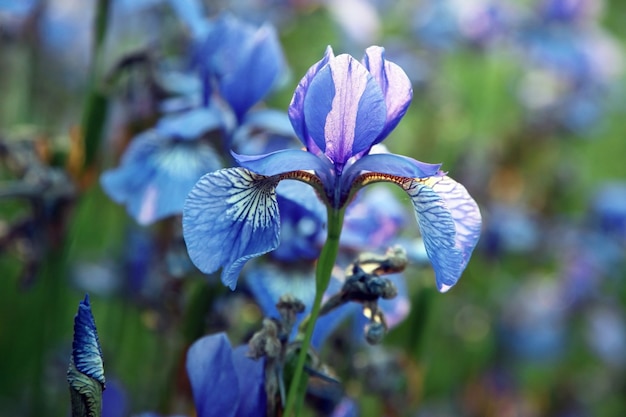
(230, 216)
(344, 109)
(394, 83)
(213, 377)
(86, 352)
(296, 108)
(156, 174)
(450, 222)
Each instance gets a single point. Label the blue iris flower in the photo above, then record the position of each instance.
(340, 110)
(162, 164)
(225, 382)
(241, 61)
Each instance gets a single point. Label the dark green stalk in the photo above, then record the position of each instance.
(323, 273)
(96, 104)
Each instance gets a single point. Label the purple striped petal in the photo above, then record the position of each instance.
(394, 83)
(344, 109)
(450, 222)
(296, 108)
(230, 216)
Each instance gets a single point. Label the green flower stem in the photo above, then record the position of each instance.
(324, 270)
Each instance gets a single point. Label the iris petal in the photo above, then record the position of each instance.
(156, 175)
(450, 223)
(391, 164)
(230, 216)
(251, 376)
(287, 160)
(296, 108)
(344, 109)
(260, 64)
(394, 83)
(212, 375)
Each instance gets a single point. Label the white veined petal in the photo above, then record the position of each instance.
(230, 216)
(450, 223)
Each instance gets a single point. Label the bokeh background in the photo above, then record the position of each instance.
(524, 102)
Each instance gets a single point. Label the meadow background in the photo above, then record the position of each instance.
(527, 109)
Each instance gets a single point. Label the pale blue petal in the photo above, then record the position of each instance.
(230, 216)
(156, 175)
(450, 222)
(86, 351)
(213, 377)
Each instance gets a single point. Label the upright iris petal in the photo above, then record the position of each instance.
(344, 109)
(395, 86)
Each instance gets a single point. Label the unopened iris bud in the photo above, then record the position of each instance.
(85, 374)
